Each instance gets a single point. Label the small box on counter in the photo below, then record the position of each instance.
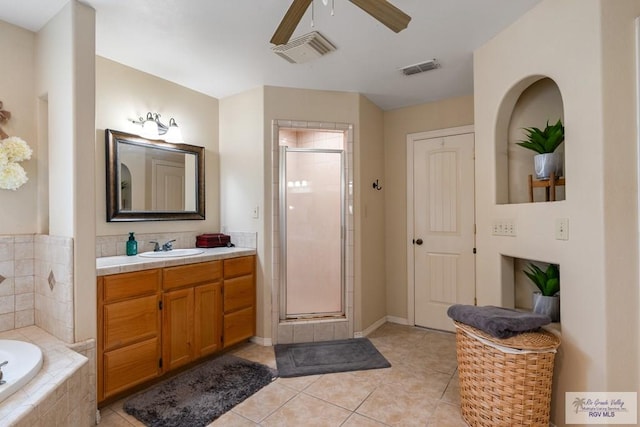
(213, 240)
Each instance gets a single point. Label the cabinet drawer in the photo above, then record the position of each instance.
(239, 266)
(126, 322)
(128, 366)
(239, 326)
(127, 285)
(239, 293)
(184, 275)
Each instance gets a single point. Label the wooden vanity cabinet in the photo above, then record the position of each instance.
(153, 321)
(129, 333)
(192, 307)
(239, 299)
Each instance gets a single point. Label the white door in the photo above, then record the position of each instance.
(168, 186)
(444, 229)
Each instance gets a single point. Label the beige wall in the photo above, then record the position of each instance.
(371, 294)
(19, 208)
(620, 112)
(253, 175)
(65, 77)
(243, 183)
(397, 125)
(123, 94)
(599, 282)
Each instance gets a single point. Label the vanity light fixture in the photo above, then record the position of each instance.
(153, 128)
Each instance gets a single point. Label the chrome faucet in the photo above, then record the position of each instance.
(168, 246)
(1, 374)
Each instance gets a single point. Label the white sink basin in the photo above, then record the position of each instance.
(172, 253)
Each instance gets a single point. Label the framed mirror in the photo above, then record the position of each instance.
(153, 180)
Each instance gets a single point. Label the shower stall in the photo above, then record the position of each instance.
(313, 247)
(311, 225)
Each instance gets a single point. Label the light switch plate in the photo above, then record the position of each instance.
(504, 227)
(562, 228)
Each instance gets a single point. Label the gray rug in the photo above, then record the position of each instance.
(295, 360)
(200, 395)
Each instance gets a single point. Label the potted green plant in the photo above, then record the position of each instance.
(544, 142)
(547, 300)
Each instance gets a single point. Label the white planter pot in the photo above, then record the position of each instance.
(546, 163)
(547, 305)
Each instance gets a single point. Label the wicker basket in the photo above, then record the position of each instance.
(505, 382)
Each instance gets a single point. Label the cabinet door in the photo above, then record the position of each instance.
(208, 319)
(177, 328)
(240, 266)
(239, 293)
(130, 321)
(127, 366)
(239, 325)
(191, 274)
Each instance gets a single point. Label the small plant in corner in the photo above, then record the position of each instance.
(548, 281)
(543, 141)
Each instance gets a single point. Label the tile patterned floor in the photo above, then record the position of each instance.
(420, 389)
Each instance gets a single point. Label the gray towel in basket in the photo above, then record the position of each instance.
(497, 321)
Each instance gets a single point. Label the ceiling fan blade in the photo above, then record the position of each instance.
(389, 15)
(290, 21)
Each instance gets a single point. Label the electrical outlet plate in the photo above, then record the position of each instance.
(504, 227)
(562, 228)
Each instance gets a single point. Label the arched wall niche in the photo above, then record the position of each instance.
(530, 102)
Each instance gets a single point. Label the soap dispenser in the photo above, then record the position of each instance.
(132, 245)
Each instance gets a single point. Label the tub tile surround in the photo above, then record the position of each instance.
(28, 264)
(62, 393)
(53, 276)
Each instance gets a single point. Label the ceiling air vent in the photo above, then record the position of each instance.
(304, 48)
(420, 68)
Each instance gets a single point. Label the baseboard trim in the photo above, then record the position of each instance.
(371, 328)
(398, 320)
(265, 342)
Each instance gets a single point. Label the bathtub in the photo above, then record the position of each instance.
(25, 361)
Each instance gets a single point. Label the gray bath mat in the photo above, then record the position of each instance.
(200, 395)
(295, 360)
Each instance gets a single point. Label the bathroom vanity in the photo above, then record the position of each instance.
(155, 316)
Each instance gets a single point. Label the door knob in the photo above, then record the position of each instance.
(419, 242)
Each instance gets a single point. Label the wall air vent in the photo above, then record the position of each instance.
(304, 48)
(421, 67)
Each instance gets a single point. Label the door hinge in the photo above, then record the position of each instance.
(160, 363)
(474, 250)
(160, 305)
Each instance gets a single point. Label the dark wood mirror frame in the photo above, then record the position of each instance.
(114, 211)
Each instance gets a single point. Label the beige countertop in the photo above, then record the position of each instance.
(125, 264)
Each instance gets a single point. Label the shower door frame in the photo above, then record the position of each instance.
(288, 331)
(283, 234)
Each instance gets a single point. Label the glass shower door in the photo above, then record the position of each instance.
(312, 223)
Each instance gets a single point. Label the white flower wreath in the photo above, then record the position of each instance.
(12, 151)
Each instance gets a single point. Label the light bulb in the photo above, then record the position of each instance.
(173, 133)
